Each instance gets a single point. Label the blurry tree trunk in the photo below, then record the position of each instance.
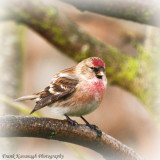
(133, 74)
(10, 64)
(134, 10)
(152, 44)
(10, 71)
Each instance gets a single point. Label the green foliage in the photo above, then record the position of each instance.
(58, 38)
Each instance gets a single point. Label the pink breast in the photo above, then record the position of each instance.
(98, 87)
(90, 91)
(95, 88)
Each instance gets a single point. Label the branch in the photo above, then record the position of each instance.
(25, 126)
(48, 20)
(134, 10)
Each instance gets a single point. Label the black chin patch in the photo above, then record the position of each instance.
(99, 77)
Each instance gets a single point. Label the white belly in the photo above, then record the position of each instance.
(78, 111)
(83, 110)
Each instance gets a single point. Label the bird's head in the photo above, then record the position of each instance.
(92, 67)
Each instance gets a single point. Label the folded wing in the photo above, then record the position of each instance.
(58, 89)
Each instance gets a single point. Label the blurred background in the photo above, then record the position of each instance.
(120, 115)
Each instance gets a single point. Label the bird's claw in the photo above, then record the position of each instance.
(94, 127)
(72, 122)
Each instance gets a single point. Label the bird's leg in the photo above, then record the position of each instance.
(92, 126)
(72, 122)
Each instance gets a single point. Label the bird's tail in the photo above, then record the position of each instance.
(29, 97)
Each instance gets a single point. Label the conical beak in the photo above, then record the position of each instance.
(100, 73)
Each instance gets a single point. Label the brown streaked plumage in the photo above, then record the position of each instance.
(75, 91)
(62, 87)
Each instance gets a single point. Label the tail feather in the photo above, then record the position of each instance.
(32, 111)
(29, 97)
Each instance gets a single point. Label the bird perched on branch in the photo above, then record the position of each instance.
(75, 91)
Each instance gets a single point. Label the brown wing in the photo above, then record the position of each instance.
(58, 89)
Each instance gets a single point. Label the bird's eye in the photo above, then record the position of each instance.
(94, 69)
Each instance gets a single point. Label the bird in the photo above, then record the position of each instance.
(75, 91)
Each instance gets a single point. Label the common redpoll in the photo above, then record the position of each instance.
(75, 91)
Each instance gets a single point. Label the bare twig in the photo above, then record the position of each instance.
(25, 126)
